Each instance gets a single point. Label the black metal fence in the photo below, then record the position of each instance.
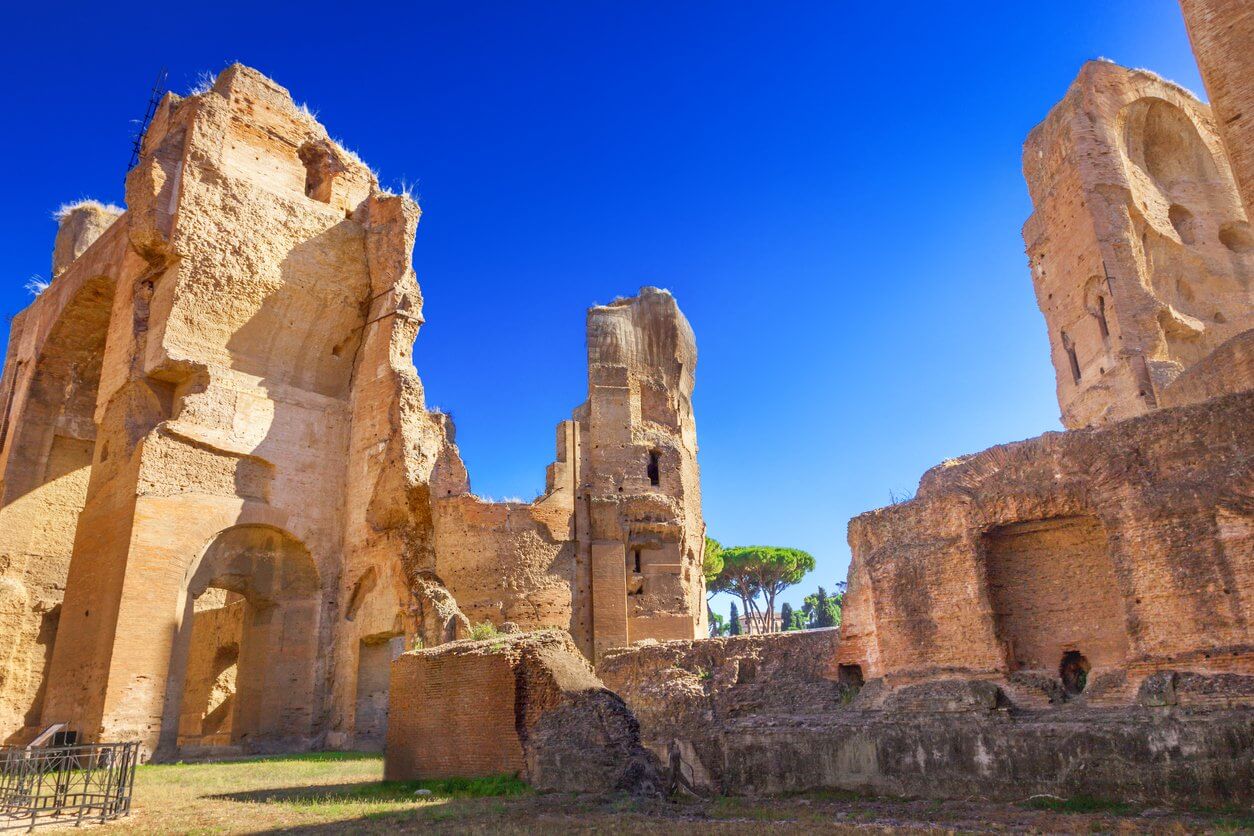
(65, 784)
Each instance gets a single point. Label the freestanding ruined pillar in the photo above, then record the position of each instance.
(1222, 32)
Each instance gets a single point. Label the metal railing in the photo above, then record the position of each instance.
(65, 784)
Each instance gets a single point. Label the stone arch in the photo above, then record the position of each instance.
(270, 576)
(52, 430)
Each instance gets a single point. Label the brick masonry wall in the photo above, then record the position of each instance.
(1222, 32)
(452, 715)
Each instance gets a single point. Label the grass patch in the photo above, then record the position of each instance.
(725, 807)
(1077, 804)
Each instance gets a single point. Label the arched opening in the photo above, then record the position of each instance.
(374, 673)
(246, 670)
(54, 433)
(1073, 670)
(850, 675)
(322, 166)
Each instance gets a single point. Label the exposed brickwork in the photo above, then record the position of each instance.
(527, 704)
(1222, 32)
(452, 715)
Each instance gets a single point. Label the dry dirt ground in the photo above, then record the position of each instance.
(339, 793)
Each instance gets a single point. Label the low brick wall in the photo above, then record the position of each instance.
(528, 705)
(451, 715)
(772, 714)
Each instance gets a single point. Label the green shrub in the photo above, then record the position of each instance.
(483, 630)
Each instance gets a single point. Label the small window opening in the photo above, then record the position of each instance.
(655, 477)
(1102, 324)
(322, 166)
(635, 560)
(65, 738)
(850, 675)
(1074, 672)
(1069, 347)
(746, 672)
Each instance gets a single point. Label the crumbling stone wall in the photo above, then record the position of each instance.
(1141, 252)
(755, 715)
(526, 704)
(51, 377)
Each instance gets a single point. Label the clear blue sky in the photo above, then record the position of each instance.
(833, 195)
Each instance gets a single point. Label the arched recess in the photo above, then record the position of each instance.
(1189, 224)
(269, 577)
(52, 430)
(47, 439)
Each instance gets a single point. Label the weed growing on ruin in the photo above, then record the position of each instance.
(63, 211)
(36, 285)
(483, 630)
(204, 83)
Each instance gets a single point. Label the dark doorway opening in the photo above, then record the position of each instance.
(1074, 672)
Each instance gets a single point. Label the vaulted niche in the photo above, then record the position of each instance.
(1055, 598)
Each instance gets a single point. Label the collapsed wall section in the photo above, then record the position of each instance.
(528, 705)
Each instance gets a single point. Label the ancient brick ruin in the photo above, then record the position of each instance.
(226, 508)
(228, 522)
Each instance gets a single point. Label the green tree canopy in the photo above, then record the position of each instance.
(823, 610)
(713, 561)
(766, 570)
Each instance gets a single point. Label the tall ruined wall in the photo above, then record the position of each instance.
(265, 274)
(217, 396)
(1127, 545)
(1141, 252)
(1222, 32)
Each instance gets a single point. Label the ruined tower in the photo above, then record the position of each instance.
(1142, 255)
(638, 495)
(612, 549)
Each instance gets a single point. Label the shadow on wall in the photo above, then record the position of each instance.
(51, 437)
(300, 341)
